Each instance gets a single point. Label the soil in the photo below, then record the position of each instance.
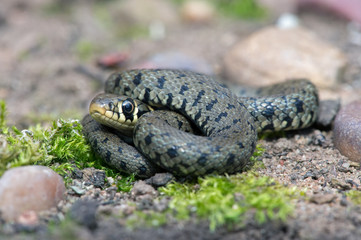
(44, 76)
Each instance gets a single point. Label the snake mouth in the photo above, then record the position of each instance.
(95, 109)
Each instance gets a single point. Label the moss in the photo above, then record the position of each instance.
(224, 200)
(354, 196)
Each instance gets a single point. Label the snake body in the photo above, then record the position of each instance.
(228, 123)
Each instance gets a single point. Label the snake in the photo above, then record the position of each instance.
(214, 128)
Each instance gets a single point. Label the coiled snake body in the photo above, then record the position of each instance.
(228, 123)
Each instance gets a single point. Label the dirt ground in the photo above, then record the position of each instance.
(48, 54)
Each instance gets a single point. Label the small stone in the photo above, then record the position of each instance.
(273, 55)
(322, 198)
(140, 188)
(339, 185)
(347, 131)
(78, 190)
(160, 179)
(327, 112)
(198, 11)
(83, 211)
(29, 188)
(354, 164)
(94, 176)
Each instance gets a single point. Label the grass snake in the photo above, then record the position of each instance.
(227, 123)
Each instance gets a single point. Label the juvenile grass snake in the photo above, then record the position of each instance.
(227, 123)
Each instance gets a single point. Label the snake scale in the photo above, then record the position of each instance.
(228, 123)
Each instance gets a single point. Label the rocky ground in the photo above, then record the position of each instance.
(48, 55)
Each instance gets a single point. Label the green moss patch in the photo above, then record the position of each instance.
(224, 200)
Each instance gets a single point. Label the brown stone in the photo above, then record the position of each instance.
(272, 55)
(29, 189)
(347, 131)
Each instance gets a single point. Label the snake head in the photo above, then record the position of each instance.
(119, 112)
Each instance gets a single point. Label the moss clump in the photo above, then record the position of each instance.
(56, 147)
(224, 200)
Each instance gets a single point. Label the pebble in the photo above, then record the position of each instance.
(83, 211)
(143, 190)
(160, 179)
(92, 176)
(347, 131)
(29, 188)
(327, 112)
(198, 11)
(272, 55)
(323, 198)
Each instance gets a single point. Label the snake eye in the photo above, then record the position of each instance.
(128, 106)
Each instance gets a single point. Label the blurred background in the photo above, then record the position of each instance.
(55, 55)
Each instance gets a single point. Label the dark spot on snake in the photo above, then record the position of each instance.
(123, 165)
(181, 75)
(105, 140)
(230, 160)
(161, 82)
(268, 112)
(148, 138)
(223, 114)
(202, 160)
(95, 143)
(199, 97)
(299, 105)
(169, 99)
(211, 170)
(223, 85)
(215, 90)
(117, 80)
(211, 104)
(142, 170)
(108, 156)
(137, 79)
(146, 95)
(184, 103)
(240, 144)
(120, 150)
(269, 126)
(127, 89)
(253, 145)
(183, 89)
(172, 152)
(230, 106)
(198, 115)
(205, 122)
